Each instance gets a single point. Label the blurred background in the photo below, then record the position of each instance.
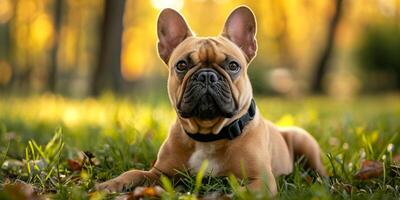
(81, 48)
(87, 72)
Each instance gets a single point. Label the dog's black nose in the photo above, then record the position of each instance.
(207, 76)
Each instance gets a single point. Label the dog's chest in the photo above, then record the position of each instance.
(201, 153)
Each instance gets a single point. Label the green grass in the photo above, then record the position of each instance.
(124, 134)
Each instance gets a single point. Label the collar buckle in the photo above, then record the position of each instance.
(234, 129)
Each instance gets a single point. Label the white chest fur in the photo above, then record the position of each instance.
(203, 152)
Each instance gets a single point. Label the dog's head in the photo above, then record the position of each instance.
(208, 83)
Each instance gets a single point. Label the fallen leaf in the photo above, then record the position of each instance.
(369, 169)
(309, 179)
(19, 191)
(74, 165)
(149, 192)
(142, 193)
(85, 158)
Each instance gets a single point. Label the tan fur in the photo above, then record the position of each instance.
(262, 149)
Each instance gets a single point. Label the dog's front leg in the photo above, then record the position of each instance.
(130, 178)
(258, 184)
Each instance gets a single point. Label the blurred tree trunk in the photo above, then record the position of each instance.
(52, 76)
(285, 54)
(322, 64)
(107, 74)
(22, 73)
(4, 52)
(11, 48)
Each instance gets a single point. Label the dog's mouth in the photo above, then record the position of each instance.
(207, 96)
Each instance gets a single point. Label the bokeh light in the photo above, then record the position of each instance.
(160, 4)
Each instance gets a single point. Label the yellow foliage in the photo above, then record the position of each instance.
(6, 11)
(289, 32)
(286, 120)
(135, 54)
(26, 10)
(373, 137)
(360, 130)
(42, 32)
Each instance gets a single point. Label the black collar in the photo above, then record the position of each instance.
(231, 131)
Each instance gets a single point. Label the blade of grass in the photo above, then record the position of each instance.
(200, 175)
(168, 186)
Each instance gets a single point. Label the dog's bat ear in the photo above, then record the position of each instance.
(172, 29)
(240, 28)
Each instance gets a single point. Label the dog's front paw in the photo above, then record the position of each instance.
(113, 185)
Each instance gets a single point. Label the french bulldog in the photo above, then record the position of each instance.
(217, 118)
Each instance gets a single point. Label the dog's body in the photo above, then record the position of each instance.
(209, 88)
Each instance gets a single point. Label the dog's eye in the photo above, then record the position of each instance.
(181, 66)
(233, 67)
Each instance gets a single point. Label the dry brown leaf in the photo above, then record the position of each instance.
(84, 158)
(74, 165)
(309, 179)
(20, 191)
(142, 193)
(150, 192)
(369, 169)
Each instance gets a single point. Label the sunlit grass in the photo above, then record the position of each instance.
(125, 133)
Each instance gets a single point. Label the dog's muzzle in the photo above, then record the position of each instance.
(207, 96)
